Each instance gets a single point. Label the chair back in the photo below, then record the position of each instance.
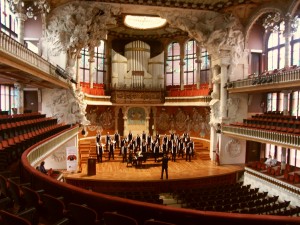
(113, 218)
(81, 214)
(12, 219)
(156, 222)
(54, 207)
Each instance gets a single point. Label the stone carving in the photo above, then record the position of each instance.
(215, 111)
(233, 148)
(216, 31)
(233, 106)
(136, 116)
(78, 25)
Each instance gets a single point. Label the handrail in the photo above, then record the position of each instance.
(49, 145)
(266, 80)
(139, 210)
(9, 46)
(279, 138)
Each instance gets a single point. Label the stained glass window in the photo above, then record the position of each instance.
(190, 66)
(173, 64)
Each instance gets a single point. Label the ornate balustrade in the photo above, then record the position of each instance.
(11, 50)
(277, 79)
(133, 96)
(263, 135)
(284, 190)
(41, 151)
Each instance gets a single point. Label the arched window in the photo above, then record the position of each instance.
(205, 67)
(295, 47)
(190, 66)
(276, 49)
(173, 64)
(84, 64)
(8, 22)
(100, 63)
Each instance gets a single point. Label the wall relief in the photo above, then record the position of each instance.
(136, 116)
(233, 148)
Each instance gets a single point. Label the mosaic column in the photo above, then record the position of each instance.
(21, 18)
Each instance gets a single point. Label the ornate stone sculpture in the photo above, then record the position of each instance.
(214, 30)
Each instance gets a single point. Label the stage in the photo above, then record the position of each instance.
(116, 170)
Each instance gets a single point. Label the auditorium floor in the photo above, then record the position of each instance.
(181, 169)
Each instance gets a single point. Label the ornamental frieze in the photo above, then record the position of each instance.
(137, 97)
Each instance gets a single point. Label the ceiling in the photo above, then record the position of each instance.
(240, 8)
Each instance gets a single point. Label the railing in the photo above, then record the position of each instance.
(15, 50)
(138, 210)
(279, 76)
(46, 148)
(280, 138)
(281, 188)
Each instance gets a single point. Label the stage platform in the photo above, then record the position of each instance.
(116, 170)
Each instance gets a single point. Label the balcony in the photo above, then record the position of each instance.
(20, 65)
(287, 78)
(288, 140)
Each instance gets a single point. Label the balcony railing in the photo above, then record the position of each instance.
(285, 77)
(13, 50)
(262, 135)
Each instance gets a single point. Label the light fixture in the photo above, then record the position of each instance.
(30, 8)
(144, 22)
(272, 23)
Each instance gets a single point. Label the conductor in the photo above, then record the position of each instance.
(164, 166)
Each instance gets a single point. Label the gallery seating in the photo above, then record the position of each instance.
(113, 218)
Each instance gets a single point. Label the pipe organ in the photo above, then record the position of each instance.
(136, 70)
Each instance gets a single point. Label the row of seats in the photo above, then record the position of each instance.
(44, 208)
(12, 148)
(20, 117)
(143, 196)
(9, 130)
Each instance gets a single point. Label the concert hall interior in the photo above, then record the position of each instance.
(149, 112)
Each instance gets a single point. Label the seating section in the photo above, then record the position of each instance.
(19, 132)
(143, 196)
(98, 89)
(189, 90)
(272, 121)
(235, 198)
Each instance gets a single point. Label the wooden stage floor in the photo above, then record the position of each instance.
(149, 171)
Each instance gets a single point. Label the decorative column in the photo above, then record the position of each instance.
(125, 125)
(91, 65)
(21, 18)
(287, 35)
(285, 101)
(92, 71)
(19, 88)
(181, 63)
(225, 62)
(77, 71)
(198, 61)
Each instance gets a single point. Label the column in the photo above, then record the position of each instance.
(285, 101)
(216, 82)
(21, 17)
(92, 71)
(181, 66)
(19, 88)
(198, 61)
(223, 91)
(77, 70)
(224, 63)
(287, 35)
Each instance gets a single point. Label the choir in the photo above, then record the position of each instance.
(132, 148)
